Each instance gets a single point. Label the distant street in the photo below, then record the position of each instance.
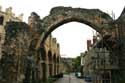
(70, 79)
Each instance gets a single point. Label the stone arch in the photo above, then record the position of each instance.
(50, 65)
(58, 16)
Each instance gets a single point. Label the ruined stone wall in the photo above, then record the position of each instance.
(15, 51)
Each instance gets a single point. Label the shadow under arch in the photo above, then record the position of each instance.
(43, 53)
(55, 64)
(58, 16)
(50, 59)
(44, 65)
(1, 20)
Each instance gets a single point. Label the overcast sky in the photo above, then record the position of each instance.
(71, 36)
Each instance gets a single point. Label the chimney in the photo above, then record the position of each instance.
(88, 44)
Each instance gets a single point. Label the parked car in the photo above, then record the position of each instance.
(78, 74)
(88, 78)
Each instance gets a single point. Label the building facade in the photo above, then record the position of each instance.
(100, 61)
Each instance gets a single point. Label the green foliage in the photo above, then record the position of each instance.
(66, 73)
(77, 62)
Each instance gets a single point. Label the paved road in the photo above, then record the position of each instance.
(70, 79)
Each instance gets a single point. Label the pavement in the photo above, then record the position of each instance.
(70, 79)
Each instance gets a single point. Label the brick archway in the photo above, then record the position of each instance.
(58, 16)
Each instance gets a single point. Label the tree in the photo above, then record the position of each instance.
(76, 62)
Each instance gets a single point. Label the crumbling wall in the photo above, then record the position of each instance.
(19, 61)
(15, 51)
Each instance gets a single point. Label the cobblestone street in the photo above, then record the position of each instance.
(70, 79)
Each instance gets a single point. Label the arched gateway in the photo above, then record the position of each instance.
(58, 16)
(22, 38)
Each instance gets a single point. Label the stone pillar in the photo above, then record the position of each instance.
(47, 70)
(53, 69)
(2, 39)
(44, 71)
